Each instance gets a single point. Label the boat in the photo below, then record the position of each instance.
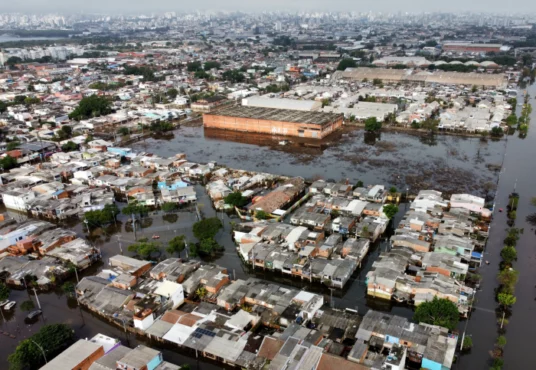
(10, 305)
(3, 303)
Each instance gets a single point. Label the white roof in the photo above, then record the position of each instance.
(303, 105)
(166, 288)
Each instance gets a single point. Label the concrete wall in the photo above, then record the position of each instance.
(271, 127)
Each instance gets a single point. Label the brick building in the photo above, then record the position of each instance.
(285, 122)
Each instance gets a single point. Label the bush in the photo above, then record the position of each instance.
(169, 207)
(346, 63)
(236, 199)
(261, 215)
(390, 210)
(91, 106)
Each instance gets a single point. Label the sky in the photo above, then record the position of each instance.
(129, 6)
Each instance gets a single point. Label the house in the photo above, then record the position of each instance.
(130, 265)
(17, 199)
(78, 356)
(173, 269)
(212, 277)
(140, 358)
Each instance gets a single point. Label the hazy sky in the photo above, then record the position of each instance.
(108, 6)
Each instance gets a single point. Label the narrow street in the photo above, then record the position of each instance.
(518, 172)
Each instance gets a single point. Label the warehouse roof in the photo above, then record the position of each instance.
(274, 114)
(303, 105)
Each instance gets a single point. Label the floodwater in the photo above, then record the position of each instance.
(443, 162)
(447, 163)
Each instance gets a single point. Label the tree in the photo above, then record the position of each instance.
(209, 246)
(512, 237)
(52, 339)
(511, 120)
(392, 190)
(100, 217)
(359, 184)
(69, 146)
(7, 163)
(501, 341)
(3, 106)
(509, 254)
(176, 245)
(233, 75)
(27, 306)
(201, 74)
(346, 63)
(211, 64)
(261, 215)
(533, 201)
(193, 66)
(467, 343)
(236, 199)
(390, 210)
(91, 106)
(172, 93)
(169, 206)
(508, 277)
(506, 299)
(207, 228)
(372, 124)
(68, 287)
(441, 312)
(4, 292)
(144, 248)
(134, 208)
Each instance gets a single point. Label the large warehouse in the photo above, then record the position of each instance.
(285, 122)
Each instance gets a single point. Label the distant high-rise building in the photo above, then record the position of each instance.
(278, 26)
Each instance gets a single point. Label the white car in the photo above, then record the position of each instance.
(3, 303)
(10, 305)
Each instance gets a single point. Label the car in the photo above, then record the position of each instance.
(10, 305)
(33, 314)
(3, 303)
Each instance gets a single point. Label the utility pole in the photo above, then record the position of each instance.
(87, 225)
(37, 298)
(76, 273)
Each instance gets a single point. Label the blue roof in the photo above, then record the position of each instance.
(476, 254)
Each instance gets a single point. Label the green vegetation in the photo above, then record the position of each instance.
(511, 120)
(201, 74)
(146, 72)
(169, 207)
(236, 199)
(176, 245)
(102, 217)
(8, 162)
(261, 215)
(52, 339)
(392, 190)
(201, 292)
(372, 124)
(506, 300)
(161, 126)
(144, 248)
(123, 131)
(233, 75)
(211, 64)
(12, 145)
(390, 210)
(68, 287)
(207, 228)
(99, 85)
(441, 312)
(69, 146)
(4, 292)
(509, 254)
(193, 66)
(346, 63)
(497, 132)
(91, 106)
(467, 343)
(134, 208)
(27, 306)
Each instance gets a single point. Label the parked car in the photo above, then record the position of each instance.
(33, 314)
(3, 303)
(10, 305)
